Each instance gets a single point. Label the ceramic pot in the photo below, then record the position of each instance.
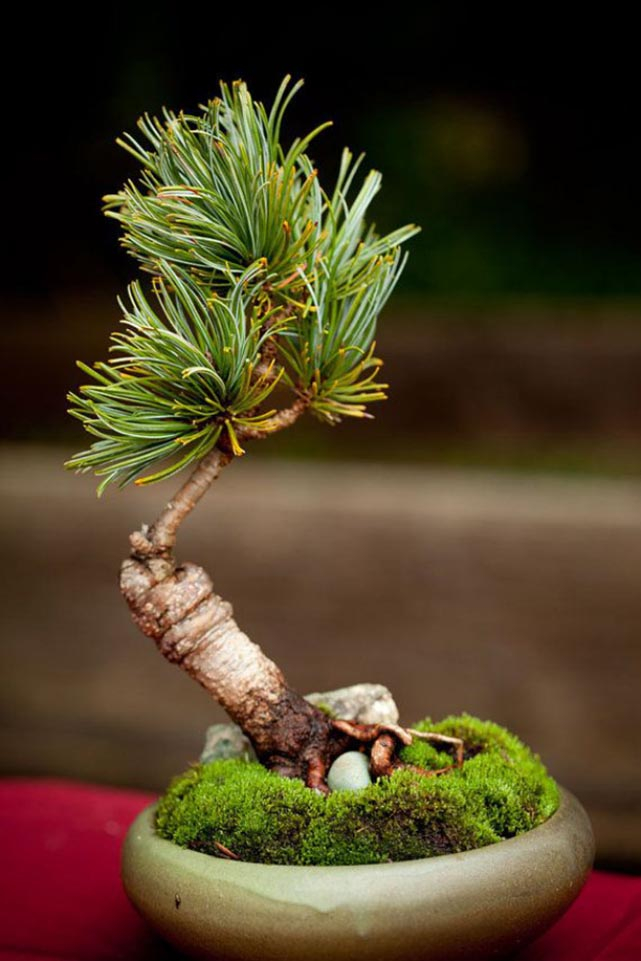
(478, 904)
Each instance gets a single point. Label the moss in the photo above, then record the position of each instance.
(256, 814)
(325, 708)
(396, 819)
(501, 790)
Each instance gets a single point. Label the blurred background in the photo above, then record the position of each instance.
(475, 547)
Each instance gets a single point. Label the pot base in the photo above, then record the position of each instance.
(474, 905)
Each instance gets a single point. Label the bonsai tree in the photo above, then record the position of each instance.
(265, 293)
(261, 306)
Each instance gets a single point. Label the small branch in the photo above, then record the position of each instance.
(226, 853)
(282, 419)
(159, 540)
(155, 544)
(268, 355)
(269, 350)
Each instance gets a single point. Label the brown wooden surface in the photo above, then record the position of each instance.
(525, 384)
(514, 598)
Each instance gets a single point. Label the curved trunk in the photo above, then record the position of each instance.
(194, 628)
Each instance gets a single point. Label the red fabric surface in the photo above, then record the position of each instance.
(62, 899)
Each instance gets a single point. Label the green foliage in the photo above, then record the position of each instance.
(502, 790)
(260, 277)
(178, 378)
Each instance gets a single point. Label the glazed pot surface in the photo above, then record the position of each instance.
(477, 904)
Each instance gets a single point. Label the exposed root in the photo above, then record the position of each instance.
(426, 772)
(316, 775)
(385, 740)
(382, 756)
(454, 742)
(369, 732)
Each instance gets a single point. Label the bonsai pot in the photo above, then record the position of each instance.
(477, 904)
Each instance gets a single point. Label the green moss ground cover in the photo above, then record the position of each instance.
(502, 790)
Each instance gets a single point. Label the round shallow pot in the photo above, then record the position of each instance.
(477, 904)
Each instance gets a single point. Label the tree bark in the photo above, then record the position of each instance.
(195, 628)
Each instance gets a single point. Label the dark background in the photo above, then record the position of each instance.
(512, 138)
(494, 503)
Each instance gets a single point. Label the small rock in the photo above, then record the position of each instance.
(225, 741)
(363, 703)
(349, 772)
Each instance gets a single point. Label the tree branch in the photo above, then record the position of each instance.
(281, 419)
(157, 542)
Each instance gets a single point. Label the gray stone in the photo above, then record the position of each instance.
(364, 703)
(349, 772)
(225, 741)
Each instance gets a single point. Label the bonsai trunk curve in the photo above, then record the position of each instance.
(176, 605)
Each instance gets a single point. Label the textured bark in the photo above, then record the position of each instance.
(281, 420)
(195, 628)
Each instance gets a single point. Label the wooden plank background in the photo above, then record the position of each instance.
(512, 597)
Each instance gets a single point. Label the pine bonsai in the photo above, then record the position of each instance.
(263, 286)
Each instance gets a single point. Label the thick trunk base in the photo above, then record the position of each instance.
(195, 629)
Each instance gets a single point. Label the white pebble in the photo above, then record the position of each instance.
(349, 772)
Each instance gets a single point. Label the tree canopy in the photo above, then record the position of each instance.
(259, 278)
